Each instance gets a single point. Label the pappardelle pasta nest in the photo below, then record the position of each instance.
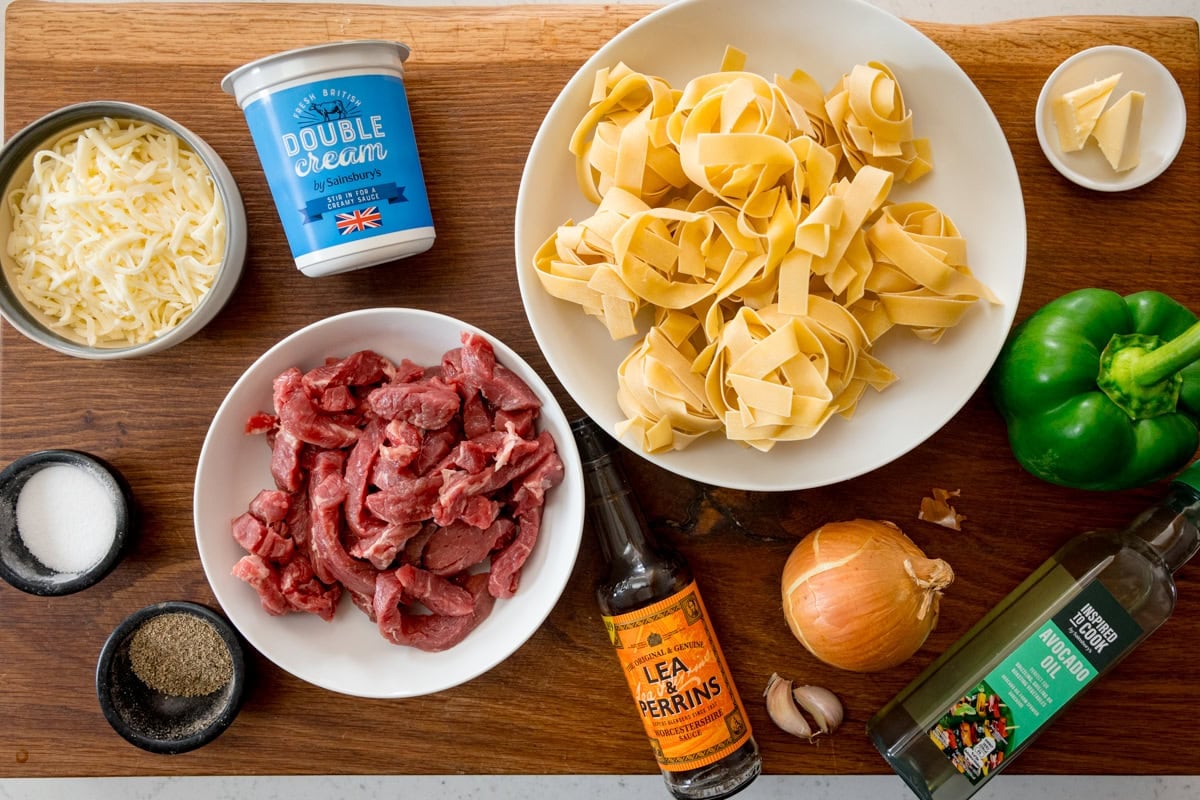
(752, 216)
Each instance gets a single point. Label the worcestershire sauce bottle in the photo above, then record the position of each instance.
(668, 651)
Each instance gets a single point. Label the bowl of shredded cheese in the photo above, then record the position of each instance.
(122, 233)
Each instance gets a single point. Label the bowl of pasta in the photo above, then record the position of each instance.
(749, 239)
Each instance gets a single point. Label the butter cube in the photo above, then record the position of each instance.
(1077, 111)
(1118, 131)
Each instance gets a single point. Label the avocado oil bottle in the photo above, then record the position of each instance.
(1003, 683)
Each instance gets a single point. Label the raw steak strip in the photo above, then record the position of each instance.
(358, 470)
(403, 443)
(381, 550)
(261, 422)
(323, 511)
(335, 399)
(476, 419)
(265, 580)
(414, 548)
(493, 447)
(480, 511)
(407, 499)
(357, 369)
(456, 547)
(408, 371)
(331, 562)
(458, 487)
(428, 405)
(506, 567)
(499, 385)
(518, 422)
(531, 493)
(297, 523)
(271, 506)
(363, 603)
(305, 593)
(428, 632)
(435, 593)
(285, 461)
(260, 540)
(434, 448)
(302, 419)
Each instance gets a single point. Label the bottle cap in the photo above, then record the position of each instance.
(593, 442)
(1190, 476)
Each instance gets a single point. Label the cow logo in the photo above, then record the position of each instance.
(317, 111)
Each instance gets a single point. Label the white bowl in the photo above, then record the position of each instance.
(348, 654)
(974, 181)
(1164, 120)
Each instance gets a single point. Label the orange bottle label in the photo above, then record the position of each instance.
(679, 679)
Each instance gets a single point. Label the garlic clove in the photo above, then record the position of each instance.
(783, 710)
(822, 704)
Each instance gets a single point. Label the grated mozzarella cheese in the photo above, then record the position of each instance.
(117, 234)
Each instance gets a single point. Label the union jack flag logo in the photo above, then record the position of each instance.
(368, 217)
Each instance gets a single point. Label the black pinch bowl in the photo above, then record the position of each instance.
(158, 722)
(17, 565)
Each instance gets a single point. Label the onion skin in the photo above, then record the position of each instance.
(860, 595)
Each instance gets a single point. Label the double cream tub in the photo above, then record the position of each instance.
(332, 128)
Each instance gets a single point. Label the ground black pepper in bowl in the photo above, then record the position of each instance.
(170, 677)
(180, 655)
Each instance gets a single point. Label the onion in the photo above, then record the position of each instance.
(860, 595)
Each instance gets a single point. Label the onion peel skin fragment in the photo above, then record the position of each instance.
(938, 510)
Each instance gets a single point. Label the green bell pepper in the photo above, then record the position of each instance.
(1101, 391)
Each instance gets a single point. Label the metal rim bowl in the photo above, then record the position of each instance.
(15, 163)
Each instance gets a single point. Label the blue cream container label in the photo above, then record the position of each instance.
(334, 135)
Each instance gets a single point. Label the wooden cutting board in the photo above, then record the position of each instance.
(479, 83)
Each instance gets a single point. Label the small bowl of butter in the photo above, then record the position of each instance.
(122, 233)
(1111, 118)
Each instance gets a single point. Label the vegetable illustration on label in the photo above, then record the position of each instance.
(974, 732)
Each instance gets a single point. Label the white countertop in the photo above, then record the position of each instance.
(585, 787)
(596, 787)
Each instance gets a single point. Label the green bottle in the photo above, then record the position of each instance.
(1001, 685)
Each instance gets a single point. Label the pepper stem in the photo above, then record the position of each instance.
(1169, 358)
(1140, 372)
